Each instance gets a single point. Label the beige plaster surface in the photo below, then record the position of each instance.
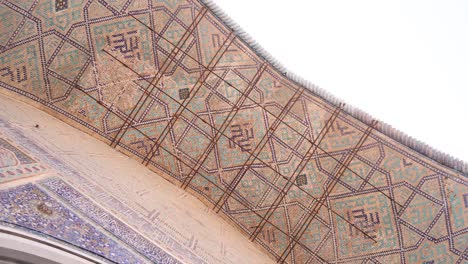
(109, 173)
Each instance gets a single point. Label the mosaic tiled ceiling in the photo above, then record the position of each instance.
(168, 83)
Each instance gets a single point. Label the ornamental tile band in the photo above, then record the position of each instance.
(16, 164)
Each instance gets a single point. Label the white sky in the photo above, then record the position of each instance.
(404, 62)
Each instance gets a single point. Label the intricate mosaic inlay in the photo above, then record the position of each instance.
(29, 207)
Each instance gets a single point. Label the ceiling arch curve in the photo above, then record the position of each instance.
(177, 87)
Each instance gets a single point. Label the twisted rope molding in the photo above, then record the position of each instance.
(386, 129)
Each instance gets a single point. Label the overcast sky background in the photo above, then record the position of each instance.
(404, 62)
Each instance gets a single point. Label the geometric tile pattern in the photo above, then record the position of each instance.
(302, 178)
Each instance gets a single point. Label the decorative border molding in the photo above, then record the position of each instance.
(107, 221)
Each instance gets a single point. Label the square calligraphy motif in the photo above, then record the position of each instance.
(184, 93)
(301, 180)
